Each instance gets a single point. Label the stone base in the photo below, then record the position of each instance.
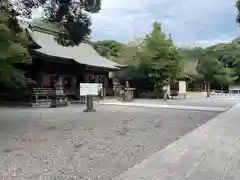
(89, 110)
(58, 104)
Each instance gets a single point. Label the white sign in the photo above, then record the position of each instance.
(182, 86)
(89, 89)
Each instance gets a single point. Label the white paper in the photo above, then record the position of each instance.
(89, 89)
(92, 89)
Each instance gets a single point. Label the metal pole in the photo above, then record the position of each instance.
(89, 104)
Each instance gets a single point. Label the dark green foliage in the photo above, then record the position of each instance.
(191, 54)
(214, 68)
(69, 13)
(13, 50)
(109, 48)
(238, 9)
(162, 58)
(156, 59)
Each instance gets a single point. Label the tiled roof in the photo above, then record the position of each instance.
(190, 67)
(84, 53)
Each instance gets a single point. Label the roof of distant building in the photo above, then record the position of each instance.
(190, 67)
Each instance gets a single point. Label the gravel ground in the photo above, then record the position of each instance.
(65, 143)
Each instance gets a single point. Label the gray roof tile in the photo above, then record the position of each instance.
(83, 53)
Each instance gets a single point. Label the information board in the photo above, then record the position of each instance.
(89, 89)
(182, 86)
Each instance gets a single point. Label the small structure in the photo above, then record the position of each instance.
(127, 93)
(58, 98)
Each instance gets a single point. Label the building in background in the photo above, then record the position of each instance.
(72, 64)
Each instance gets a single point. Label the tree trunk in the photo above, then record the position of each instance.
(208, 89)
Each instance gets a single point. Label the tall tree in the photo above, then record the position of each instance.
(211, 70)
(72, 14)
(163, 59)
(13, 50)
(228, 55)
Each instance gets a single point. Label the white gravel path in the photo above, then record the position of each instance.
(66, 143)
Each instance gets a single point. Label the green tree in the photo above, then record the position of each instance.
(109, 48)
(228, 54)
(225, 53)
(211, 70)
(13, 50)
(155, 58)
(163, 59)
(226, 77)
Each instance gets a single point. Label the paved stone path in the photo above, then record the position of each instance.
(210, 152)
(202, 102)
(166, 106)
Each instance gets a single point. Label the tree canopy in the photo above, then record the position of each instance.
(238, 9)
(13, 50)
(212, 70)
(109, 48)
(191, 54)
(219, 64)
(162, 57)
(156, 58)
(72, 14)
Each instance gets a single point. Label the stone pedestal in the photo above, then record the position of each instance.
(128, 94)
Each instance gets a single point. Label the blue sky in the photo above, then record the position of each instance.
(191, 22)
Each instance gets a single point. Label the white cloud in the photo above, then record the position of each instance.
(190, 22)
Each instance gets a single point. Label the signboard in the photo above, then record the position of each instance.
(89, 89)
(182, 86)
